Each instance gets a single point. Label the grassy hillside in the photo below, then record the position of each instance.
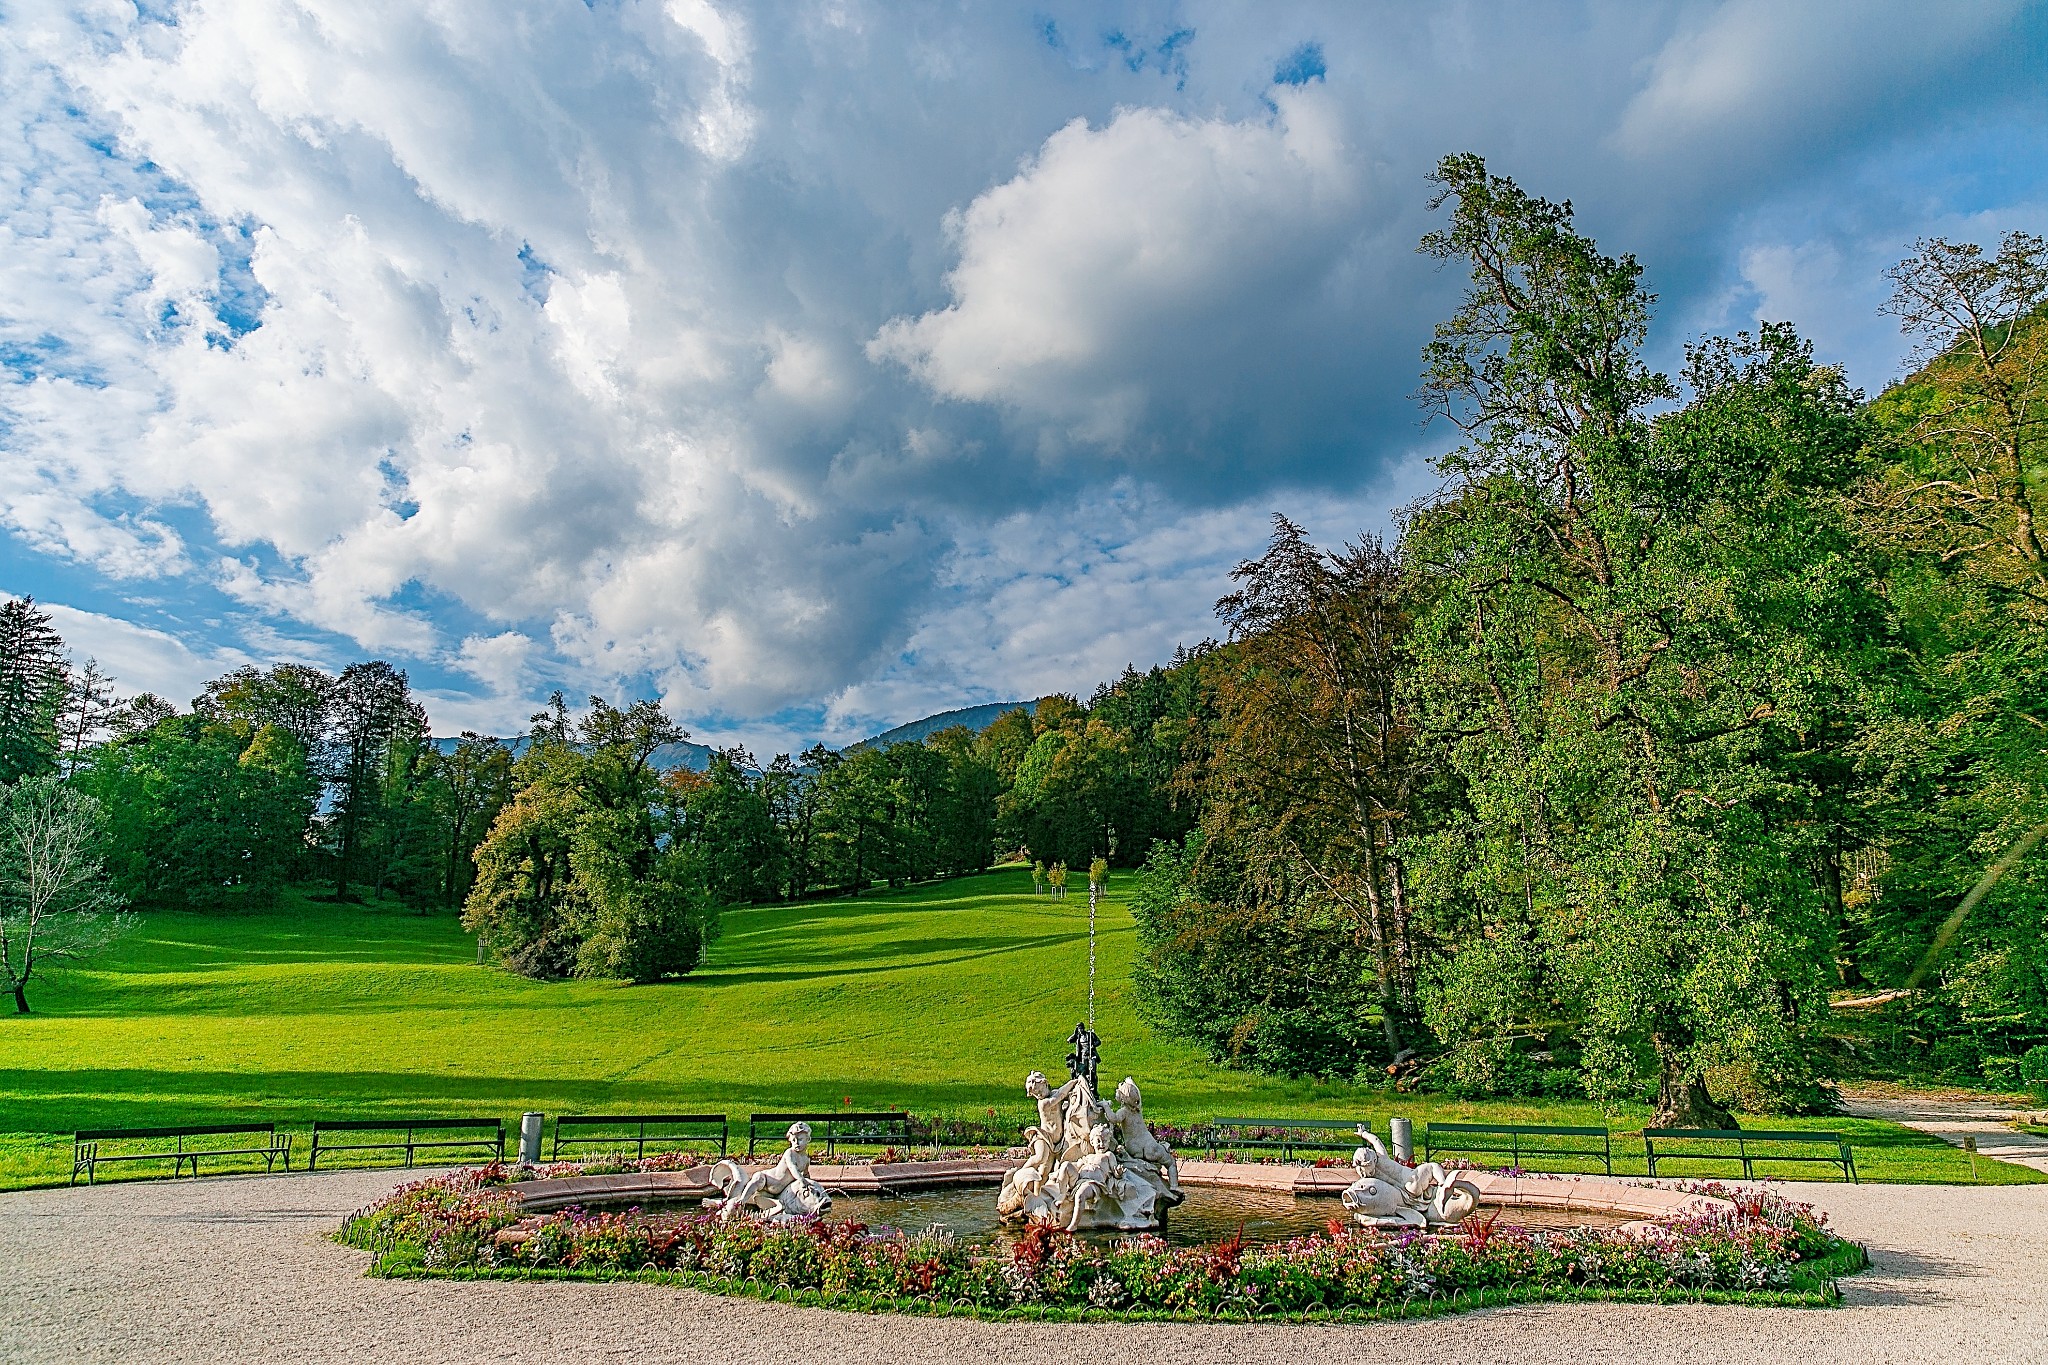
(937, 1000)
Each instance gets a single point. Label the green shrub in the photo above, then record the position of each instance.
(2002, 1073)
(2034, 1067)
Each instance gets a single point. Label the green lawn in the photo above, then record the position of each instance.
(937, 1000)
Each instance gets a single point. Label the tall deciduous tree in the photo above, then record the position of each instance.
(1636, 624)
(200, 813)
(586, 869)
(297, 698)
(1311, 744)
(371, 706)
(1955, 756)
(1977, 425)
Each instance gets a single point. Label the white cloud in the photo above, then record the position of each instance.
(1085, 283)
(1765, 72)
(140, 659)
(892, 357)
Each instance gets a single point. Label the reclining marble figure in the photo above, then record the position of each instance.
(783, 1193)
(1388, 1194)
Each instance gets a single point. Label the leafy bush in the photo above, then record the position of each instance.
(2034, 1067)
(1263, 984)
(2002, 1073)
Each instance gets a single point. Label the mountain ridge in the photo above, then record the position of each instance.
(697, 757)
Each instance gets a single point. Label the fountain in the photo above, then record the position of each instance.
(1090, 1166)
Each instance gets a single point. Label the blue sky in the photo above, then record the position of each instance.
(819, 365)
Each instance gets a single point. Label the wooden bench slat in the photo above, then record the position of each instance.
(641, 1137)
(1292, 1134)
(831, 1125)
(490, 1136)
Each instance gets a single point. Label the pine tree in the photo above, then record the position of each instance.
(32, 686)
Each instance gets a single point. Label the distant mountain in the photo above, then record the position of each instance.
(696, 757)
(975, 718)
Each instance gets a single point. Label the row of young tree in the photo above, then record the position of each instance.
(1680, 707)
(583, 846)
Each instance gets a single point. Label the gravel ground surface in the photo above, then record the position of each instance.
(239, 1270)
(1952, 1117)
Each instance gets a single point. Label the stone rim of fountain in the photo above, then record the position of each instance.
(1609, 1195)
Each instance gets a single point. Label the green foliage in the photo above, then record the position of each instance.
(1097, 781)
(372, 713)
(200, 813)
(588, 869)
(1258, 981)
(1638, 630)
(31, 690)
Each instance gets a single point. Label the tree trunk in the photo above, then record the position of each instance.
(20, 998)
(1682, 1098)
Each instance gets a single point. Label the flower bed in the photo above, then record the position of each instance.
(1767, 1250)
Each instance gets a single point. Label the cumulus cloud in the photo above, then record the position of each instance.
(813, 362)
(1746, 78)
(141, 658)
(1122, 261)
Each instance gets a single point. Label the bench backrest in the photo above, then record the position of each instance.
(598, 1120)
(1746, 1134)
(1536, 1128)
(839, 1117)
(201, 1130)
(396, 1125)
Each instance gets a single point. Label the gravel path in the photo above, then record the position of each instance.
(1952, 1117)
(230, 1270)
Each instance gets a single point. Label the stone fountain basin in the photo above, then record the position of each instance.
(1605, 1196)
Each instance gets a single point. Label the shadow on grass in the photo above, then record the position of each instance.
(910, 955)
(60, 1102)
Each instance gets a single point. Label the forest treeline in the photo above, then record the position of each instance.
(1689, 717)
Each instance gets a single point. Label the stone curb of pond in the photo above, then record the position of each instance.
(1587, 1194)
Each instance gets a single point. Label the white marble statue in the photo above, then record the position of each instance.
(1090, 1166)
(782, 1193)
(1144, 1154)
(1389, 1194)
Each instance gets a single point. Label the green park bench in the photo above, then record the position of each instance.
(1286, 1136)
(89, 1146)
(405, 1135)
(663, 1132)
(1521, 1143)
(886, 1128)
(1745, 1142)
